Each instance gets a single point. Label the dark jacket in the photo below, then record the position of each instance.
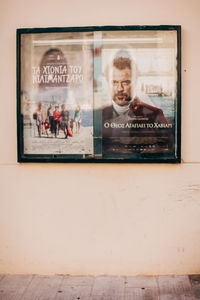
(143, 126)
(138, 112)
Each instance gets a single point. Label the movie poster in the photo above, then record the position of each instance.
(57, 93)
(99, 94)
(139, 92)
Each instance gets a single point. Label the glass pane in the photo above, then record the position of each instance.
(57, 93)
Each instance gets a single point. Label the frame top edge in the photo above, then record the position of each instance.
(98, 28)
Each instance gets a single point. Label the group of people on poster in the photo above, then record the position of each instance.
(57, 119)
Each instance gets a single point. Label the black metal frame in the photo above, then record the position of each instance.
(72, 158)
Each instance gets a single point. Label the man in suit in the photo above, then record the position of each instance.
(128, 120)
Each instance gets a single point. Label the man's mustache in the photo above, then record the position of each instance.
(128, 98)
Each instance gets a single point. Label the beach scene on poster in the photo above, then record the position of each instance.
(57, 93)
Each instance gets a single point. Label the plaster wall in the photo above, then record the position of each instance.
(100, 218)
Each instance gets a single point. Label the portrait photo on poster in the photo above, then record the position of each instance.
(99, 94)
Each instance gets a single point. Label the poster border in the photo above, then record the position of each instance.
(78, 158)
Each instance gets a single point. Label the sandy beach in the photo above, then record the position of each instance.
(79, 143)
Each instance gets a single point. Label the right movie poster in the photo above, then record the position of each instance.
(139, 94)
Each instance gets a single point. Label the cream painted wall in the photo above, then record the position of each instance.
(100, 219)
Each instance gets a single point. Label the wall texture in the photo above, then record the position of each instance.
(111, 219)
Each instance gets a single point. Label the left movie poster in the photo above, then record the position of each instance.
(56, 92)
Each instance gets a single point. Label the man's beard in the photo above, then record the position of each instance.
(127, 97)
